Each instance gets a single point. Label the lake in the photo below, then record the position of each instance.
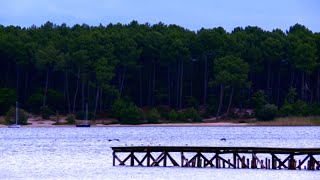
(85, 153)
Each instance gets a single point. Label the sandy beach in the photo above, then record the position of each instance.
(39, 122)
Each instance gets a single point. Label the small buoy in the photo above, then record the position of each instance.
(223, 139)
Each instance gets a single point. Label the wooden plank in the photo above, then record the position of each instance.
(296, 151)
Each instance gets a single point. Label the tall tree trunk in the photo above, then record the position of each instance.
(96, 103)
(7, 75)
(100, 104)
(76, 92)
(292, 84)
(278, 89)
(88, 93)
(268, 82)
(26, 86)
(17, 85)
(122, 78)
(205, 80)
(83, 96)
(153, 83)
(149, 87)
(191, 81)
(221, 100)
(45, 89)
(318, 86)
(140, 86)
(181, 85)
(169, 87)
(230, 99)
(178, 84)
(302, 86)
(67, 90)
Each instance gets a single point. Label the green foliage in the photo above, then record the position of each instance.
(259, 99)
(11, 116)
(286, 109)
(173, 116)
(156, 65)
(127, 112)
(266, 112)
(293, 106)
(192, 114)
(231, 70)
(292, 96)
(118, 107)
(71, 119)
(192, 102)
(153, 116)
(164, 111)
(7, 99)
(131, 115)
(34, 102)
(46, 112)
(55, 100)
(315, 110)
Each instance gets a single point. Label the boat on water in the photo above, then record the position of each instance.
(83, 125)
(16, 125)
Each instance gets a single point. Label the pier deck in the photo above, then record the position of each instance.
(218, 157)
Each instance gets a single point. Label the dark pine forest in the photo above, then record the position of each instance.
(62, 68)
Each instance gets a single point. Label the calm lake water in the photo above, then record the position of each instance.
(85, 153)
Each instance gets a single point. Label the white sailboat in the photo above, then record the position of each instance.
(16, 125)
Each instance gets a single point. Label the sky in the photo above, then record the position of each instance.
(191, 14)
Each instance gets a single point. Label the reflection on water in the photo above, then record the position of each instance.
(85, 153)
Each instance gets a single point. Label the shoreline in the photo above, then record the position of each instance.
(37, 122)
(204, 124)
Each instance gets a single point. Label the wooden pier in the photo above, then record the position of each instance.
(218, 157)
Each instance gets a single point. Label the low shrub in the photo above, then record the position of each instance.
(127, 112)
(192, 114)
(173, 116)
(11, 116)
(71, 119)
(298, 108)
(267, 112)
(153, 116)
(46, 112)
(131, 115)
(118, 106)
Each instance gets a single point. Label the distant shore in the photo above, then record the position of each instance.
(35, 122)
(50, 124)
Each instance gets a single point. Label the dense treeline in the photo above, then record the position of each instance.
(63, 68)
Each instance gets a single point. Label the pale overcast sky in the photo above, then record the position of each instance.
(191, 14)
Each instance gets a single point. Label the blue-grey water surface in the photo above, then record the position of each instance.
(85, 153)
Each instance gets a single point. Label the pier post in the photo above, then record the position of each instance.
(234, 160)
(132, 159)
(148, 158)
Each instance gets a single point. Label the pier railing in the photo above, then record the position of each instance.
(218, 157)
